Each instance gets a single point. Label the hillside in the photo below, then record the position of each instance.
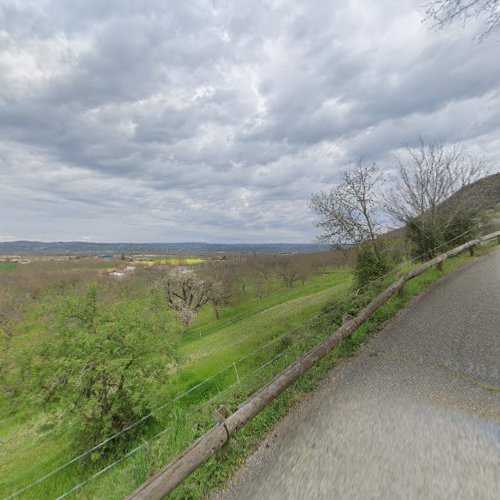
(484, 194)
(210, 345)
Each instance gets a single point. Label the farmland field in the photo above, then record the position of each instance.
(173, 261)
(8, 266)
(37, 438)
(220, 361)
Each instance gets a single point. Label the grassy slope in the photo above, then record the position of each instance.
(214, 349)
(220, 468)
(258, 321)
(215, 473)
(39, 445)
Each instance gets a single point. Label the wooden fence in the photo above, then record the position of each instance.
(170, 476)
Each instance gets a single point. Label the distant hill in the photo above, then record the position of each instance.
(85, 248)
(484, 194)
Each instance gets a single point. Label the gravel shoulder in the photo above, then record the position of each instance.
(416, 414)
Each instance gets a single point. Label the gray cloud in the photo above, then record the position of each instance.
(215, 120)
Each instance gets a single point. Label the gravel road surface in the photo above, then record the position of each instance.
(414, 415)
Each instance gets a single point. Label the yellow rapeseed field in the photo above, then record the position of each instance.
(173, 261)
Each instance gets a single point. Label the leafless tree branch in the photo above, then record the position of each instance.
(442, 13)
(347, 213)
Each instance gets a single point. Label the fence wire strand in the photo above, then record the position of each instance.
(164, 431)
(156, 410)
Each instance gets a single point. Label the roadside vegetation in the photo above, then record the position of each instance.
(179, 424)
(122, 372)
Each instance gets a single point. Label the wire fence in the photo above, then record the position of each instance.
(231, 370)
(205, 405)
(205, 393)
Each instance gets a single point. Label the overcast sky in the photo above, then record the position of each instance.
(215, 120)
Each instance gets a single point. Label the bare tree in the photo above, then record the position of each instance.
(244, 273)
(262, 266)
(221, 280)
(287, 269)
(445, 12)
(347, 214)
(184, 292)
(305, 272)
(429, 174)
(261, 283)
(219, 296)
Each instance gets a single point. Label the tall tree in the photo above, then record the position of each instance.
(348, 213)
(429, 174)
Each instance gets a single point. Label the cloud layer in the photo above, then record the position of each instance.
(214, 120)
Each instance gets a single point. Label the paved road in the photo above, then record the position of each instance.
(414, 415)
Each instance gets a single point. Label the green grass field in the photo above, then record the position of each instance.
(8, 266)
(35, 445)
(36, 440)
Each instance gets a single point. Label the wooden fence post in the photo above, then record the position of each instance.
(346, 317)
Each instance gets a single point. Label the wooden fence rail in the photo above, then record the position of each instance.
(170, 476)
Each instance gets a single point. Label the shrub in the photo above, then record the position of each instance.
(464, 221)
(104, 364)
(425, 238)
(368, 266)
(431, 239)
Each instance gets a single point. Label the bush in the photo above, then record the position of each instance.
(350, 305)
(425, 238)
(465, 221)
(369, 267)
(105, 362)
(430, 239)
